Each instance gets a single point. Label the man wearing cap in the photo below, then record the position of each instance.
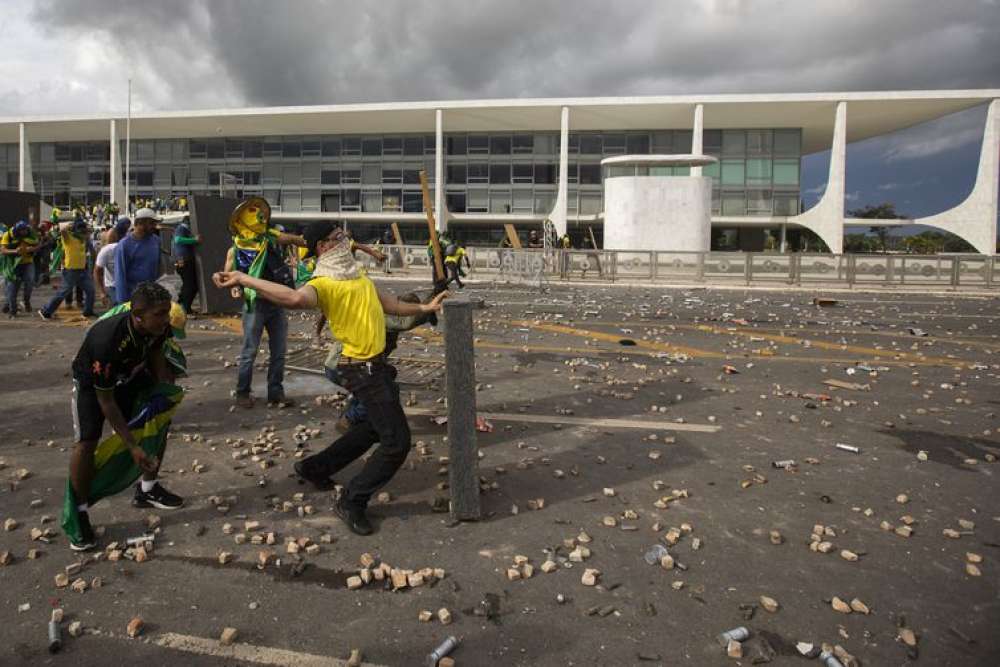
(74, 236)
(137, 255)
(355, 310)
(18, 245)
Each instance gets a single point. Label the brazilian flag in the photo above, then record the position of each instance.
(114, 469)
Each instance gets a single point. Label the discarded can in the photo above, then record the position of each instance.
(142, 539)
(446, 647)
(55, 637)
(829, 659)
(655, 554)
(736, 635)
(848, 448)
(786, 464)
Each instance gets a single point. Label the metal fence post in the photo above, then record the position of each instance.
(654, 268)
(460, 374)
(851, 270)
(955, 270)
(748, 267)
(700, 274)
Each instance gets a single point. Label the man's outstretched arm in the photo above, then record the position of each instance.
(303, 298)
(393, 306)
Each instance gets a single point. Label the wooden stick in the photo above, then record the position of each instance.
(515, 242)
(432, 227)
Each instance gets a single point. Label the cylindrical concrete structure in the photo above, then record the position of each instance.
(657, 212)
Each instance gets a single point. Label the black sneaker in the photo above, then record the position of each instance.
(321, 483)
(156, 497)
(87, 539)
(354, 517)
(43, 315)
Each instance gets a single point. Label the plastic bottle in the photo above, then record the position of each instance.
(829, 659)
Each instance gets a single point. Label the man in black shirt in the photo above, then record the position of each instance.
(119, 355)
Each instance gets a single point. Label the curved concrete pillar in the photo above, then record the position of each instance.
(440, 209)
(25, 179)
(697, 135)
(559, 215)
(975, 219)
(826, 218)
(117, 185)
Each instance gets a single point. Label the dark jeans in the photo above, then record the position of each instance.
(356, 411)
(375, 387)
(24, 274)
(454, 272)
(71, 279)
(42, 267)
(189, 283)
(272, 318)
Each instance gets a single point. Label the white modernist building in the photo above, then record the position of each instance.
(516, 161)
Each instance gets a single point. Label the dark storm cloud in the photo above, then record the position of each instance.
(309, 52)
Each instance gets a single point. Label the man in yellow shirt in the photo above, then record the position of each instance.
(17, 246)
(355, 310)
(74, 269)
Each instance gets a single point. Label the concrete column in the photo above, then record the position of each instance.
(559, 213)
(697, 135)
(439, 206)
(826, 218)
(784, 238)
(115, 167)
(25, 179)
(460, 376)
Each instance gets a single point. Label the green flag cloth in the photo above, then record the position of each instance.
(114, 469)
(7, 265)
(56, 261)
(255, 271)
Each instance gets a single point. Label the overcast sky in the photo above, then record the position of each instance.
(63, 56)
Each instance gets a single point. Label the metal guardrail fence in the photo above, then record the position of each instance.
(555, 266)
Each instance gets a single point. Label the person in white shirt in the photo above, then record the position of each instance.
(104, 269)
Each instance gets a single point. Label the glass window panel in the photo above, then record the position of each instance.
(216, 149)
(500, 173)
(291, 174)
(413, 146)
(371, 174)
(350, 200)
(78, 176)
(76, 152)
(712, 142)
(546, 144)
(523, 173)
(62, 151)
(574, 143)
(413, 202)
(590, 144)
(412, 177)
(500, 201)
(330, 177)
(734, 142)
(350, 176)
(234, 148)
(291, 200)
(654, 171)
(614, 144)
(310, 200)
(180, 177)
(758, 201)
(144, 178)
(455, 201)
(392, 146)
(614, 171)
(430, 144)
(161, 174)
(682, 141)
(48, 153)
(499, 145)
(478, 144)
(663, 142)
(523, 201)
(252, 149)
(786, 204)
(311, 173)
(455, 145)
(523, 143)
(544, 201)
(392, 175)
(787, 142)
(786, 172)
(478, 172)
(546, 173)
(716, 202)
(733, 172)
(590, 174)
(758, 171)
(291, 149)
(99, 152)
(331, 148)
(371, 201)
(734, 203)
(478, 200)
(590, 203)
(95, 175)
(455, 173)
(272, 147)
(351, 146)
(711, 170)
(572, 173)
(199, 173)
(638, 144)
(311, 148)
(271, 172)
(251, 177)
(392, 200)
(758, 142)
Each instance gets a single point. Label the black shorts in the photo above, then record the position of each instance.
(88, 418)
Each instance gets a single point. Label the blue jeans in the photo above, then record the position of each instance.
(356, 411)
(24, 274)
(71, 278)
(265, 316)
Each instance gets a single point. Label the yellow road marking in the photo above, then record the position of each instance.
(258, 655)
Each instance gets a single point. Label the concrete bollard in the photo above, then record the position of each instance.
(460, 375)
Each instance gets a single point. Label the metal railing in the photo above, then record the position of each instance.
(723, 268)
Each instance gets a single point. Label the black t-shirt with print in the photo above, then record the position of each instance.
(113, 352)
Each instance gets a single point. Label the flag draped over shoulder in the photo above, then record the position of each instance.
(114, 469)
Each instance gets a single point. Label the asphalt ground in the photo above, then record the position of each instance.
(570, 354)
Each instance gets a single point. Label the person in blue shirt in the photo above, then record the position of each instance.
(185, 262)
(137, 257)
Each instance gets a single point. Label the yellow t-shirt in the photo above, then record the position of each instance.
(354, 313)
(9, 242)
(455, 257)
(74, 252)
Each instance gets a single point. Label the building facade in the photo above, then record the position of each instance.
(504, 161)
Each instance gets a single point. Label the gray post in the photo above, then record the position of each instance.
(460, 374)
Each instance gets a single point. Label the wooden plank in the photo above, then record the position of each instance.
(515, 241)
(247, 653)
(582, 421)
(396, 233)
(432, 228)
(597, 257)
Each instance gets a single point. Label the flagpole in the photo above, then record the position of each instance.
(128, 146)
